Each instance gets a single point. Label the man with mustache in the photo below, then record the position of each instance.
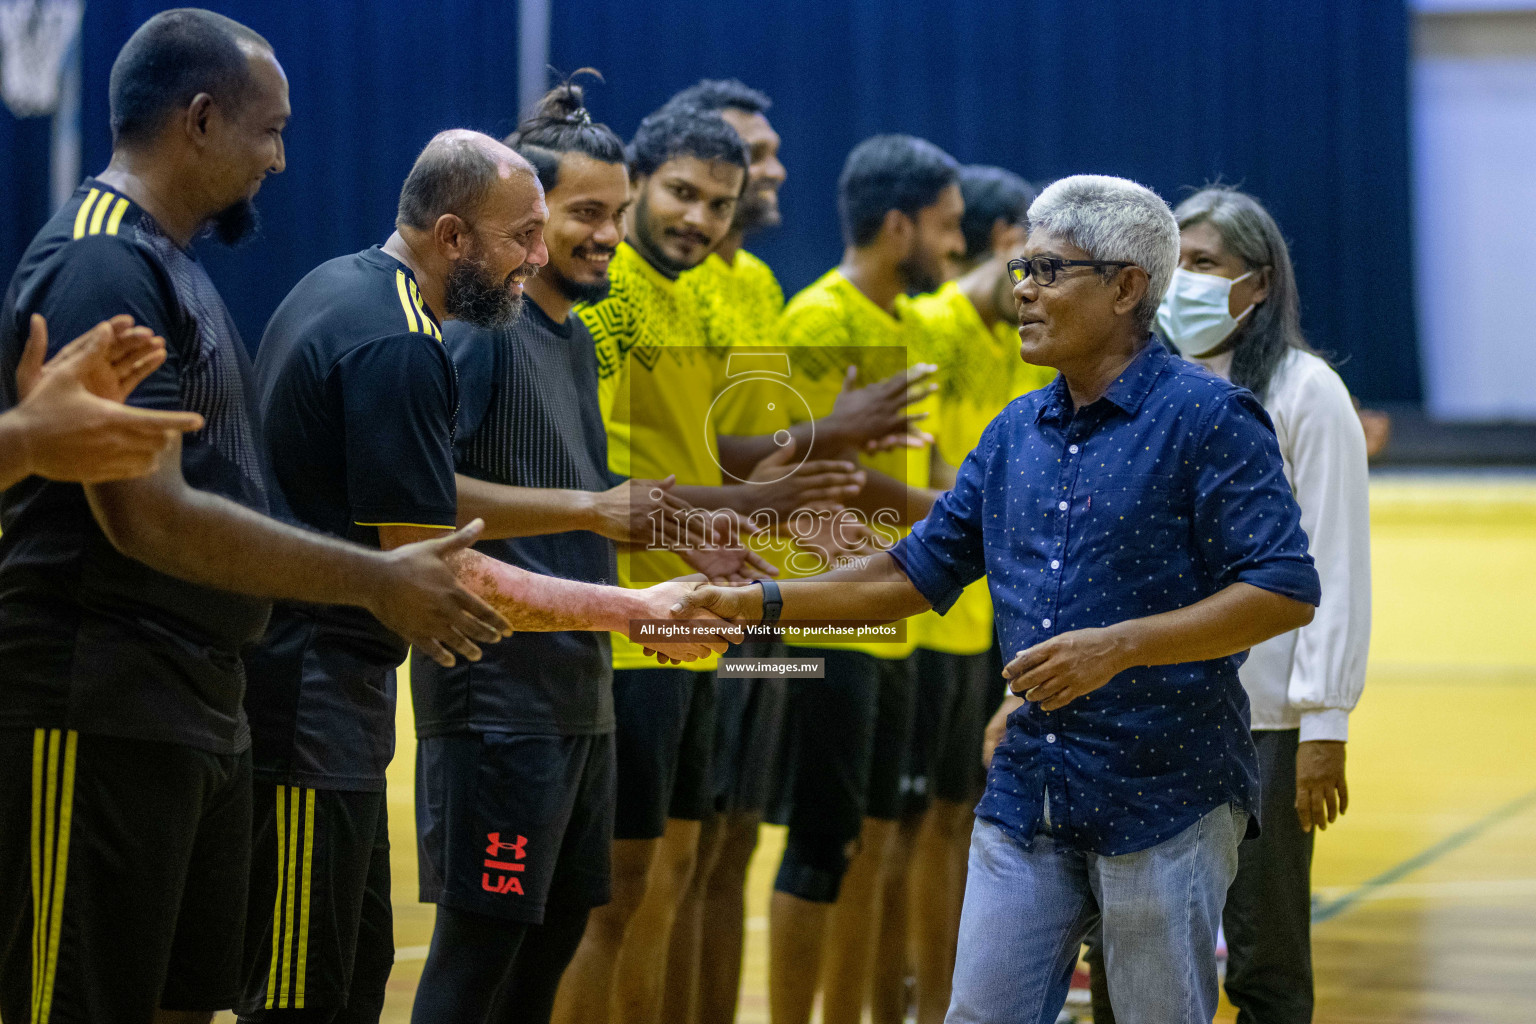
(900, 206)
(359, 395)
(125, 764)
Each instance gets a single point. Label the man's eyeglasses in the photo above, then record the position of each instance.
(1045, 268)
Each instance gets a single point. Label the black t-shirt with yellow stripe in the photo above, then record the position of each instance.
(358, 398)
(90, 639)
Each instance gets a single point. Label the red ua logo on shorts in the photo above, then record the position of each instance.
(507, 857)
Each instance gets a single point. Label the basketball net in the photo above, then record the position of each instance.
(35, 36)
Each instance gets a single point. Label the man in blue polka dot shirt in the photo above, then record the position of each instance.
(1138, 536)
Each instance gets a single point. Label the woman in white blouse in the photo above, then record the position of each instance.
(1233, 308)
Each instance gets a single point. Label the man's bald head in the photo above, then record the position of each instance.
(455, 174)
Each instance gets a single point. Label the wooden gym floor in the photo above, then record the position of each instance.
(1425, 895)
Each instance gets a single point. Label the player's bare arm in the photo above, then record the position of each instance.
(202, 538)
(547, 604)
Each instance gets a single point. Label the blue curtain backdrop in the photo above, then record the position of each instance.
(370, 82)
(1303, 104)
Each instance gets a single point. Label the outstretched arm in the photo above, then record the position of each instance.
(548, 604)
(200, 537)
(870, 593)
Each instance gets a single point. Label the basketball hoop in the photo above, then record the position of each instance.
(35, 37)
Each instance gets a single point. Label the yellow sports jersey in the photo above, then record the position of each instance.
(657, 377)
(828, 327)
(979, 372)
(740, 302)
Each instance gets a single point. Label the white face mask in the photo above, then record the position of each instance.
(1194, 313)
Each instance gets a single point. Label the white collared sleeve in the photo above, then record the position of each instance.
(1329, 477)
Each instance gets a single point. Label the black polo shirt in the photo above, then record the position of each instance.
(358, 397)
(529, 417)
(90, 639)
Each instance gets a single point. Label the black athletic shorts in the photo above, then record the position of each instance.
(828, 739)
(749, 716)
(956, 696)
(319, 929)
(122, 877)
(894, 713)
(508, 822)
(665, 735)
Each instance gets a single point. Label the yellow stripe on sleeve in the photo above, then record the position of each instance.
(297, 1002)
(405, 300)
(418, 526)
(100, 213)
(60, 872)
(117, 216)
(85, 211)
(274, 979)
(428, 326)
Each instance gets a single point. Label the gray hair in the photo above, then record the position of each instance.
(1264, 337)
(1114, 219)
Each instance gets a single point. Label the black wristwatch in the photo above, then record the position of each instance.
(773, 602)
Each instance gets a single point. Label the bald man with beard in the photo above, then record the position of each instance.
(359, 399)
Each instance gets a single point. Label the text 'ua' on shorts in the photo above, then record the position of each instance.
(507, 823)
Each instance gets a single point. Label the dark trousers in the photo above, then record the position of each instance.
(1268, 918)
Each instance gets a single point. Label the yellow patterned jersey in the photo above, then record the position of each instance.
(979, 372)
(828, 327)
(740, 302)
(657, 377)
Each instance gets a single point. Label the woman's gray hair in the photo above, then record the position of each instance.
(1114, 219)
(1264, 337)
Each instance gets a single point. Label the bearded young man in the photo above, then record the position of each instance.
(360, 396)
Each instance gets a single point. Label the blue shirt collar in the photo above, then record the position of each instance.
(1126, 393)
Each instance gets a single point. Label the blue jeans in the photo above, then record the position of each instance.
(1027, 911)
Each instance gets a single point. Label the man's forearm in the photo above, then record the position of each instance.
(739, 453)
(14, 466)
(743, 498)
(522, 511)
(871, 593)
(1231, 620)
(882, 492)
(203, 538)
(547, 604)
